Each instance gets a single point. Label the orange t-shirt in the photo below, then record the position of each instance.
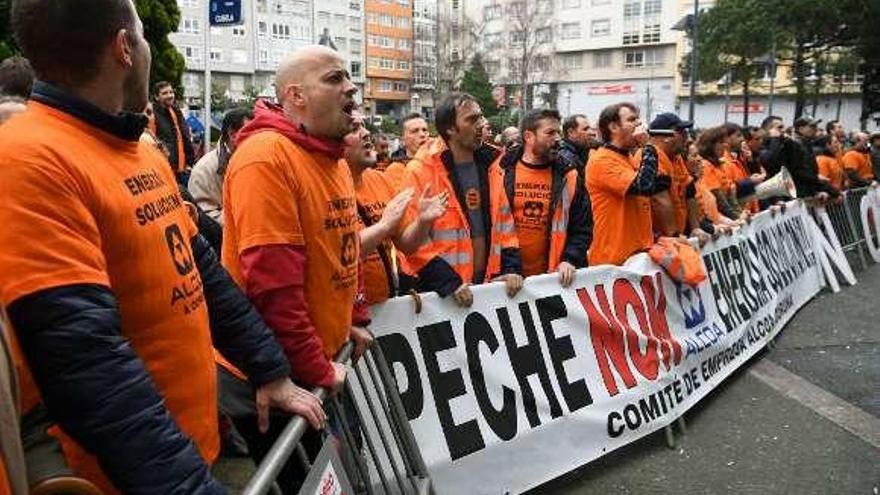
(275, 192)
(707, 202)
(395, 173)
(831, 168)
(81, 206)
(679, 177)
(531, 213)
(715, 177)
(860, 162)
(374, 192)
(622, 221)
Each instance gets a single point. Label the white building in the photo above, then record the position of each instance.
(243, 58)
(424, 56)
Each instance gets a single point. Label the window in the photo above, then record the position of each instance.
(216, 55)
(402, 22)
(262, 28)
(355, 69)
(655, 58)
(339, 18)
(403, 44)
(541, 64)
(573, 61)
(634, 59)
(491, 12)
(632, 9)
(493, 67)
(515, 9)
(601, 60)
(386, 20)
(239, 56)
(631, 38)
(372, 18)
(651, 34)
(571, 4)
(517, 37)
(492, 40)
(600, 27)
(571, 30)
(544, 35)
(354, 6)
(355, 45)
(280, 32)
(190, 3)
(403, 65)
(401, 87)
(653, 7)
(192, 54)
(323, 16)
(386, 63)
(189, 26)
(385, 86)
(405, 3)
(514, 66)
(264, 56)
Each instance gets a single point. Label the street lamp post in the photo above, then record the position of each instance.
(692, 91)
(206, 107)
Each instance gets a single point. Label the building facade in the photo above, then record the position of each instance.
(243, 59)
(424, 57)
(389, 30)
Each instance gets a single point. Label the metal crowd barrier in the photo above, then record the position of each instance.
(845, 220)
(367, 413)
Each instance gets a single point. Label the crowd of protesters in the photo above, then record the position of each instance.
(145, 289)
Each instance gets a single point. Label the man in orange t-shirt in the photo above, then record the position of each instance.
(106, 283)
(383, 222)
(669, 137)
(857, 162)
(551, 210)
(620, 190)
(415, 134)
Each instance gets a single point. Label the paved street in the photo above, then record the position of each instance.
(803, 418)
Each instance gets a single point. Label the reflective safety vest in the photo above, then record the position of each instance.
(450, 237)
(679, 260)
(562, 194)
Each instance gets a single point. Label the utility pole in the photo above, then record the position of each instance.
(772, 79)
(206, 107)
(695, 42)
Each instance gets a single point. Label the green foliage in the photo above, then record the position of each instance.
(507, 117)
(7, 42)
(476, 82)
(389, 126)
(160, 18)
(732, 36)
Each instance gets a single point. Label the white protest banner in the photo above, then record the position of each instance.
(511, 393)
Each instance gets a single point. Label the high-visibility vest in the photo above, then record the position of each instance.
(450, 237)
(562, 194)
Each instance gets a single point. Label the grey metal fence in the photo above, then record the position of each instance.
(375, 443)
(846, 223)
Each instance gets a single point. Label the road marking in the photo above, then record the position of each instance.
(820, 401)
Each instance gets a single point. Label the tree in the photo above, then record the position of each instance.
(456, 46)
(733, 37)
(531, 36)
(476, 82)
(161, 17)
(7, 42)
(867, 48)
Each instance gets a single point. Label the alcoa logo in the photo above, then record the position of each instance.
(692, 306)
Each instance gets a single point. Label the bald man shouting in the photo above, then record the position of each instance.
(291, 221)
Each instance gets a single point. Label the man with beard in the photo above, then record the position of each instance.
(578, 139)
(172, 130)
(415, 134)
(621, 187)
(669, 207)
(382, 146)
(470, 238)
(112, 300)
(383, 223)
(551, 209)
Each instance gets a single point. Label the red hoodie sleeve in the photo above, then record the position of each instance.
(275, 283)
(360, 312)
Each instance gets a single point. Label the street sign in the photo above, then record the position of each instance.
(225, 12)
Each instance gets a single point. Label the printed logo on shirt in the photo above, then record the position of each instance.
(533, 209)
(349, 250)
(181, 256)
(472, 199)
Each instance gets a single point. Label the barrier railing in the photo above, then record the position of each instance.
(845, 221)
(367, 413)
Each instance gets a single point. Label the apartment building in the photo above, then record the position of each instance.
(243, 59)
(424, 56)
(389, 29)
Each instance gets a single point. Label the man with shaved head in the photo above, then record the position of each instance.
(290, 203)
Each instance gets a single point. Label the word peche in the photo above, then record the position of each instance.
(527, 362)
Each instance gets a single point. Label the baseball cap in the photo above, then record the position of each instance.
(668, 123)
(806, 120)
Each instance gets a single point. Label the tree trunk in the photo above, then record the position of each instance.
(746, 97)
